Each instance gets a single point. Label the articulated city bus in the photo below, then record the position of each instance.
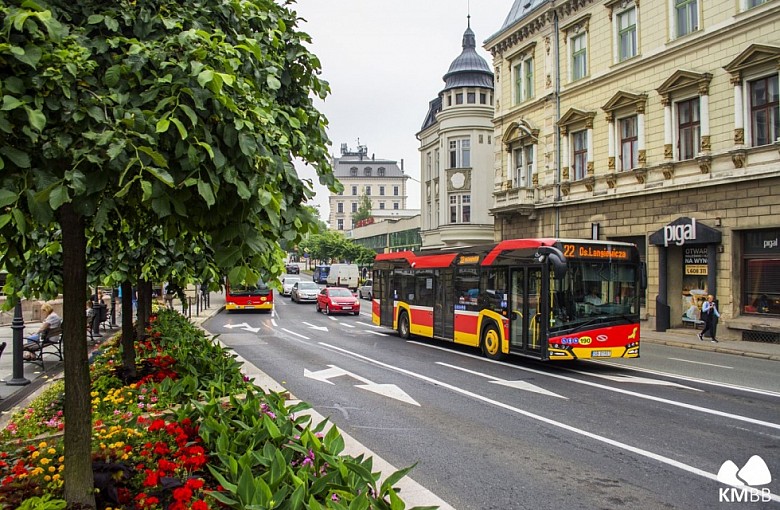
(248, 297)
(545, 298)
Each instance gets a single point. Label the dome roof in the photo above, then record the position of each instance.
(468, 69)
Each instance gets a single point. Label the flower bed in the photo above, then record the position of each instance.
(190, 432)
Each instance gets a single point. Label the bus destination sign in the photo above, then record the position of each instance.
(582, 251)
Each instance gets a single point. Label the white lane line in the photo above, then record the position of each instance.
(617, 390)
(747, 389)
(273, 321)
(347, 325)
(701, 363)
(296, 334)
(369, 324)
(533, 416)
(376, 333)
(332, 318)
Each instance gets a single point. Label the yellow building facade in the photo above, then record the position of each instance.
(654, 123)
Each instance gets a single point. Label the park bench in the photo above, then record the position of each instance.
(50, 342)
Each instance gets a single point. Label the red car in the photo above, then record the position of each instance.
(337, 300)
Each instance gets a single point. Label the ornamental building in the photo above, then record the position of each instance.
(655, 123)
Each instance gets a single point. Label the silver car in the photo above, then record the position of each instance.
(366, 291)
(304, 292)
(287, 284)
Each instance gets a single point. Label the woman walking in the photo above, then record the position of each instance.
(710, 314)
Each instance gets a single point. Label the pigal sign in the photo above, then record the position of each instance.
(678, 234)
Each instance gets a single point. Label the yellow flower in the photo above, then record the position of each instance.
(35, 454)
(61, 459)
(56, 477)
(52, 469)
(42, 445)
(51, 451)
(47, 478)
(94, 394)
(37, 471)
(45, 461)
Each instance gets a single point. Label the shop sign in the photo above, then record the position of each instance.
(678, 234)
(695, 261)
(762, 241)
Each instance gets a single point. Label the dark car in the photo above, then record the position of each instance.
(292, 269)
(337, 300)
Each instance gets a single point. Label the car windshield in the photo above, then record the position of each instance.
(340, 293)
(290, 281)
(308, 286)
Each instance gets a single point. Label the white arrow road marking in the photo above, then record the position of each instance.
(637, 380)
(242, 325)
(387, 390)
(520, 385)
(324, 375)
(250, 328)
(377, 333)
(318, 328)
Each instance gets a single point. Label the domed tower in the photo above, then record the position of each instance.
(456, 149)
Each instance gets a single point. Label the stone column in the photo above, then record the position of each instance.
(589, 168)
(565, 154)
(704, 116)
(611, 142)
(739, 111)
(640, 134)
(668, 147)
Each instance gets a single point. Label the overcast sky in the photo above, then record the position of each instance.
(385, 62)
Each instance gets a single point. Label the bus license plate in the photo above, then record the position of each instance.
(601, 354)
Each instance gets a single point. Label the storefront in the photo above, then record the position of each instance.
(761, 270)
(687, 270)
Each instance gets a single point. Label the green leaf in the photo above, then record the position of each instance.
(95, 19)
(37, 118)
(21, 224)
(112, 76)
(163, 125)
(58, 196)
(205, 191)
(161, 175)
(180, 127)
(273, 82)
(17, 157)
(158, 158)
(4, 219)
(10, 103)
(205, 77)
(146, 186)
(190, 113)
(7, 197)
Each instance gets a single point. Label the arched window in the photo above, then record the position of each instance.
(367, 171)
(353, 171)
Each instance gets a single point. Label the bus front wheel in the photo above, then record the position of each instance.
(403, 325)
(491, 343)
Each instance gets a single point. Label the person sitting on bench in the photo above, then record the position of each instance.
(51, 321)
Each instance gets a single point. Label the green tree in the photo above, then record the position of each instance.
(193, 111)
(364, 209)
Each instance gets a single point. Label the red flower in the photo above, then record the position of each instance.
(182, 494)
(156, 425)
(152, 479)
(195, 483)
(200, 505)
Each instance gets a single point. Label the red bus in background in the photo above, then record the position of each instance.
(248, 297)
(544, 298)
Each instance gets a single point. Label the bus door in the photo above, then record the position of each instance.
(443, 321)
(526, 330)
(383, 289)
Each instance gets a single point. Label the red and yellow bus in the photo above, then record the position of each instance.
(248, 297)
(545, 298)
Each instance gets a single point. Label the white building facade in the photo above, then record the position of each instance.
(456, 155)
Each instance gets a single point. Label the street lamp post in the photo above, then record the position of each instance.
(18, 355)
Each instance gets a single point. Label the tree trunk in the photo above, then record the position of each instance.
(144, 306)
(128, 334)
(79, 480)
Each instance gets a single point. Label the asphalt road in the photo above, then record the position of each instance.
(652, 433)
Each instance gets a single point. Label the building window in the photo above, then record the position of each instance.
(482, 98)
(471, 97)
(381, 190)
(749, 4)
(764, 118)
(449, 100)
(367, 171)
(523, 167)
(524, 80)
(354, 206)
(353, 171)
(381, 205)
(579, 57)
(395, 191)
(354, 190)
(368, 190)
(460, 208)
(460, 152)
(629, 143)
(686, 16)
(428, 167)
(626, 34)
(340, 224)
(436, 161)
(339, 207)
(761, 270)
(381, 171)
(459, 98)
(688, 129)
(395, 205)
(580, 154)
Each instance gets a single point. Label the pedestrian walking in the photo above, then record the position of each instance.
(709, 314)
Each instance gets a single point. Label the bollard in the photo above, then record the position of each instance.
(18, 355)
(113, 308)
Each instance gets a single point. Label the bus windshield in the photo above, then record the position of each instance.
(592, 292)
(261, 289)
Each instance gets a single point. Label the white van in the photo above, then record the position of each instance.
(343, 275)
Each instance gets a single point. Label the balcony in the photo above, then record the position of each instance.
(513, 200)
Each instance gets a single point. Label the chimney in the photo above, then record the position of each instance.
(402, 165)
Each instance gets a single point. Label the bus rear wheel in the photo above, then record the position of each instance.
(403, 325)
(491, 343)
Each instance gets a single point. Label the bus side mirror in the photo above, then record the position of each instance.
(558, 266)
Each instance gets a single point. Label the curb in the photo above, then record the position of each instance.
(722, 350)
